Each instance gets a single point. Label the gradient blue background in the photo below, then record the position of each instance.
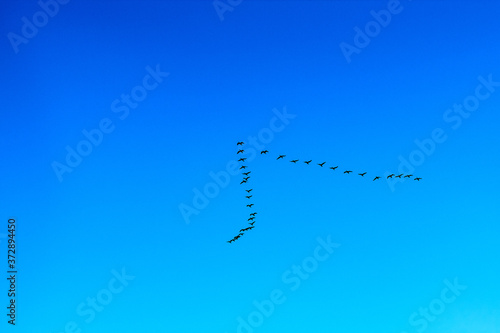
(120, 206)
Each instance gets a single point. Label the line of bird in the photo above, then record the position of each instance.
(282, 157)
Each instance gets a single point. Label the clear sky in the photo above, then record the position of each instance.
(119, 131)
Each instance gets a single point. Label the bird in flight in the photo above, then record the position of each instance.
(362, 174)
(333, 168)
(281, 156)
(390, 176)
(250, 205)
(399, 176)
(307, 162)
(229, 241)
(243, 181)
(294, 161)
(347, 171)
(251, 223)
(243, 167)
(243, 159)
(253, 214)
(240, 143)
(264, 152)
(246, 173)
(321, 164)
(246, 178)
(249, 190)
(240, 151)
(376, 178)
(407, 176)
(251, 218)
(418, 178)
(248, 196)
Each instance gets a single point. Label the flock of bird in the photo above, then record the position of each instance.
(282, 157)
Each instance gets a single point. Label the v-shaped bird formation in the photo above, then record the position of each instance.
(248, 195)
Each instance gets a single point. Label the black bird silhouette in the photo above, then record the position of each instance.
(376, 178)
(307, 162)
(253, 214)
(229, 241)
(333, 168)
(240, 151)
(243, 181)
(264, 152)
(243, 167)
(251, 223)
(246, 178)
(250, 228)
(281, 156)
(246, 173)
(249, 190)
(399, 176)
(248, 196)
(390, 176)
(418, 178)
(240, 143)
(243, 159)
(251, 218)
(321, 164)
(250, 205)
(348, 171)
(362, 174)
(294, 161)
(407, 176)
(243, 229)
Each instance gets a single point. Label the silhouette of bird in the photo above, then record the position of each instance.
(253, 214)
(229, 241)
(250, 205)
(362, 174)
(246, 178)
(307, 162)
(418, 178)
(243, 181)
(243, 229)
(407, 176)
(240, 143)
(243, 167)
(248, 196)
(294, 161)
(250, 228)
(390, 176)
(281, 156)
(240, 151)
(251, 218)
(246, 173)
(321, 164)
(243, 159)
(251, 223)
(376, 178)
(264, 152)
(249, 190)
(348, 171)
(333, 168)
(399, 176)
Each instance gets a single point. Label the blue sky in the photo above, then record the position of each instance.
(119, 140)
